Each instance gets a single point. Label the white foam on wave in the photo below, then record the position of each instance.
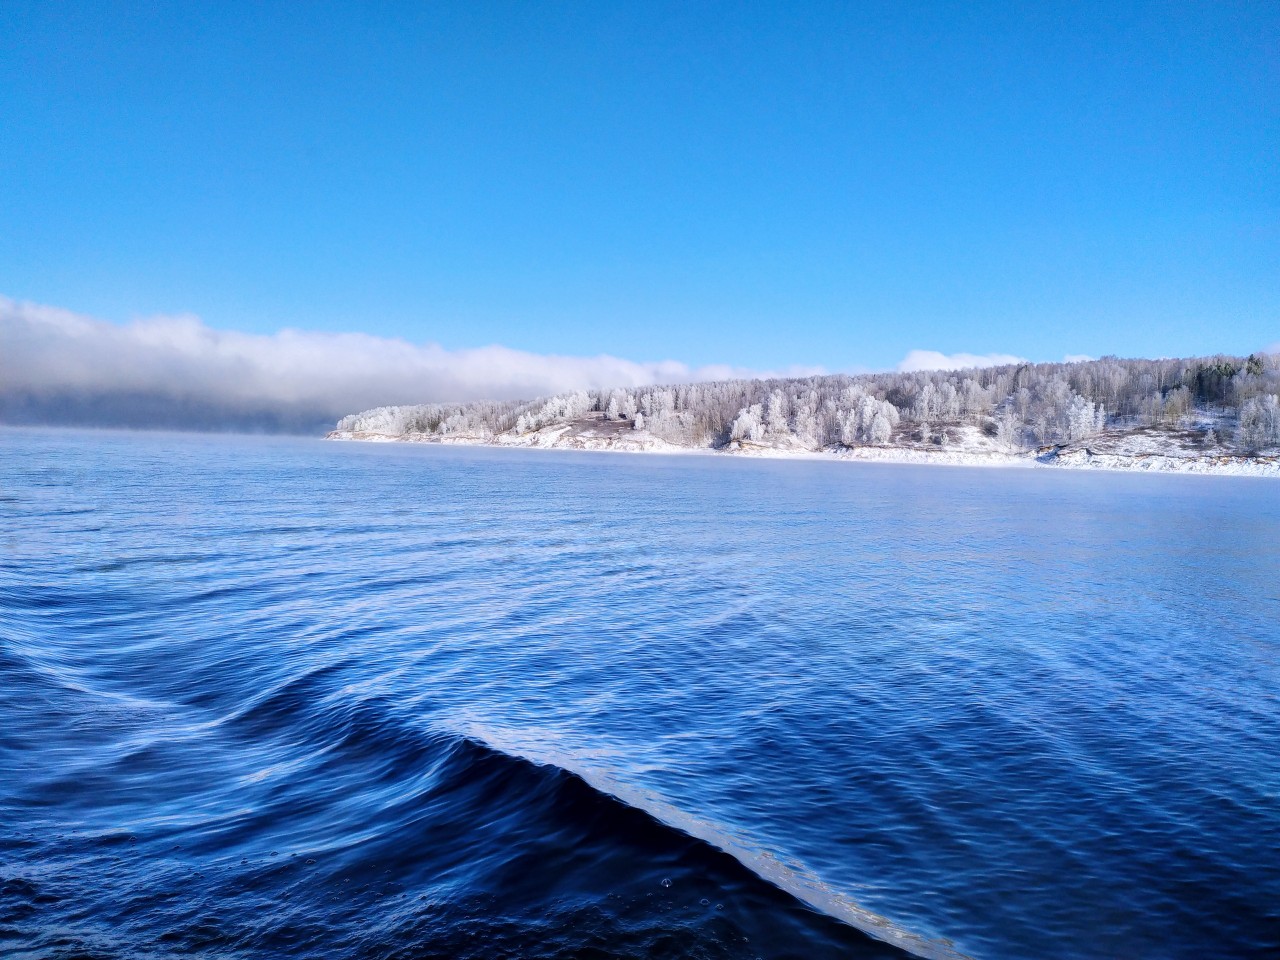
(787, 874)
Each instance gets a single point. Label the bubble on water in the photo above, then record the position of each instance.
(705, 902)
(666, 881)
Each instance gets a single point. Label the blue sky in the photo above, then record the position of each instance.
(754, 184)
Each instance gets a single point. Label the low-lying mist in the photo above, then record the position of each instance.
(62, 368)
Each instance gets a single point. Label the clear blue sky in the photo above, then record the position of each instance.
(760, 184)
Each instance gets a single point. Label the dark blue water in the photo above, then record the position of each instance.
(268, 698)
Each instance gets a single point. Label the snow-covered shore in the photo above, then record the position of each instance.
(1119, 451)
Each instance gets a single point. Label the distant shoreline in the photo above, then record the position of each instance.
(1063, 457)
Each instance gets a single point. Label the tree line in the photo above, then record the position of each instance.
(1228, 400)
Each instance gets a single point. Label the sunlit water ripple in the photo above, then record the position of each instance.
(268, 698)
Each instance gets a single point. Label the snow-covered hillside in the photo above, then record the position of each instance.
(1213, 415)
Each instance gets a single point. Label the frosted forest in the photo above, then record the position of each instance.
(1221, 402)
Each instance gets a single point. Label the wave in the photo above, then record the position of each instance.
(616, 809)
(474, 767)
(502, 811)
(411, 841)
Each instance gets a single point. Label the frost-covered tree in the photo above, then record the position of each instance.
(1009, 428)
(926, 405)
(749, 425)
(775, 414)
(1259, 426)
(880, 429)
(805, 420)
(1083, 419)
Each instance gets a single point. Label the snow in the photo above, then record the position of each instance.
(1135, 450)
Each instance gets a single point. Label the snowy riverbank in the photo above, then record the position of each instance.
(1120, 451)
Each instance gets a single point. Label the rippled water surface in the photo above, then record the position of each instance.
(268, 698)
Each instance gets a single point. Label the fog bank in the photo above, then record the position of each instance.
(59, 367)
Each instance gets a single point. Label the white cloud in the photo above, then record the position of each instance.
(933, 360)
(50, 356)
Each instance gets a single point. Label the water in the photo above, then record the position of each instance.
(268, 698)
